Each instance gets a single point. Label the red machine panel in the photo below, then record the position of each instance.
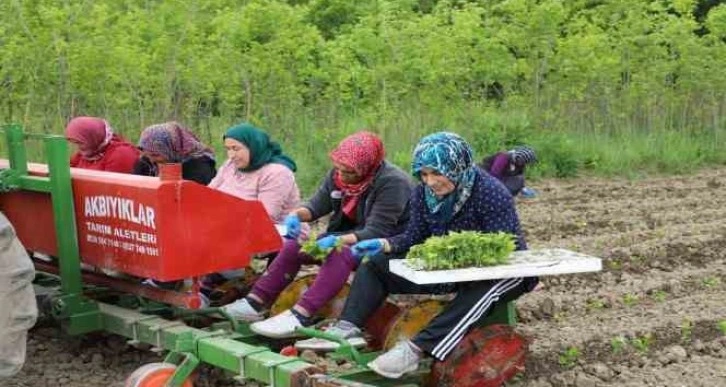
(146, 226)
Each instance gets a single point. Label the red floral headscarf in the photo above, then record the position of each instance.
(363, 152)
(93, 135)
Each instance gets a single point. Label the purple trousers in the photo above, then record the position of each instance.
(331, 278)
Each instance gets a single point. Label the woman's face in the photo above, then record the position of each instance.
(347, 174)
(440, 184)
(238, 152)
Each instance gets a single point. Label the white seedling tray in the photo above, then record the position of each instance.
(525, 263)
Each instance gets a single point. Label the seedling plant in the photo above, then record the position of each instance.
(659, 295)
(462, 249)
(311, 248)
(686, 330)
(642, 344)
(618, 344)
(630, 299)
(569, 357)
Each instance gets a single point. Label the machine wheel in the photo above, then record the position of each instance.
(485, 357)
(292, 293)
(410, 321)
(153, 375)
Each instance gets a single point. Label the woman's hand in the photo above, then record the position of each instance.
(327, 242)
(367, 248)
(293, 225)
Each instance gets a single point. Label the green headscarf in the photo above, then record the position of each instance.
(262, 149)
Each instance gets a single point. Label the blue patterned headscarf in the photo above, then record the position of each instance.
(450, 155)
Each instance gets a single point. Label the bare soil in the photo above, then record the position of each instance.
(655, 315)
(651, 317)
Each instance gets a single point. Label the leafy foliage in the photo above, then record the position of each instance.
(462, 249)
(637, 83)
(311, 248)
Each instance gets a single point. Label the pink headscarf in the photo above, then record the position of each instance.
(92, 134)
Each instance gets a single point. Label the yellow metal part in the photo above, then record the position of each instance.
(292, 293)
(411, 320)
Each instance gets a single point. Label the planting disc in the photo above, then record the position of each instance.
(292, 293)
(410, 321)
(154, 375)
(485, 357)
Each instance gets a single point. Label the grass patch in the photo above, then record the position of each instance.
(308, 137)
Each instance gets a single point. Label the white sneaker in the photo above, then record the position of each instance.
(401, 359)
(278, 327)
(243, 311)
(343, 330)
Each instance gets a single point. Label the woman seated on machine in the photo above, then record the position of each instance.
(256, 169)
(454, 195)
(366, 197)
(98, 147)
(171, 143)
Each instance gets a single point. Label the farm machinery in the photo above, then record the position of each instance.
(101, 234)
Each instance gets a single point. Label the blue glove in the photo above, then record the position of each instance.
(327, 242)
(368, 247)
(528, 193)
(292, 223)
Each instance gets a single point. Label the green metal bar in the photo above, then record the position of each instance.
(64, 214)
(82, 313)
(369, 378)
(344, 347)
(16, 149)
(79, 314)
(502, 313)
(184, 368)
(34, 183)
(209, 311)
(15, 138)
(217, 348)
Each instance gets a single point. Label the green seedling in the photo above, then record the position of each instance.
(595, 304)
(618, 344)
(637, 260)
(630, 299)
(462, 249)
(560, 317)
(659, 295)
(311, 248)
(722, 327)
(686, 330)
(614, 264)
(642, 344)
(711, 282)
(569, 357)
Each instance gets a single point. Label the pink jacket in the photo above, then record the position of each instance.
(273, 184)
